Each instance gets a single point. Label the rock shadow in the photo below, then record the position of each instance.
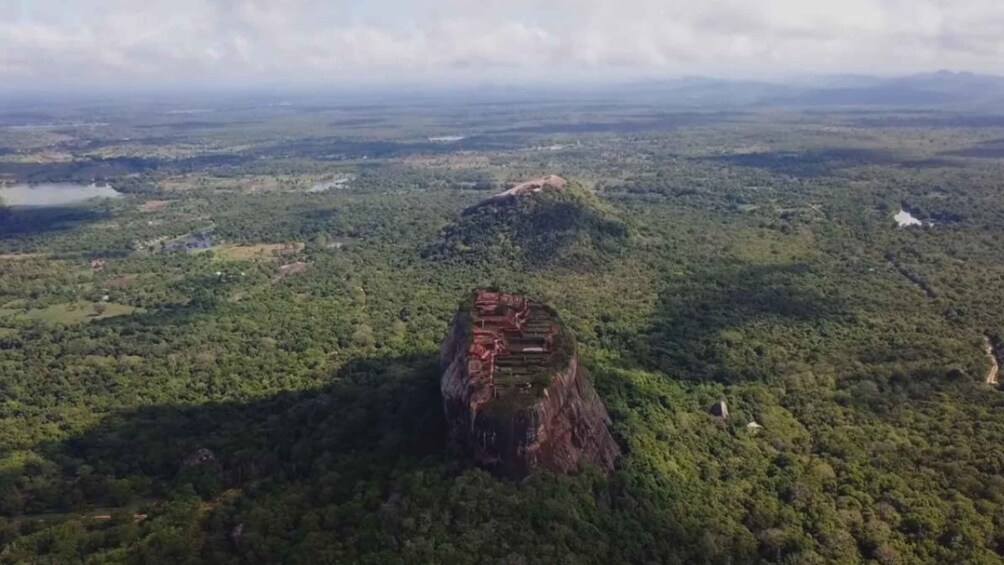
(702, 322)
(20, 222)
(377, 417)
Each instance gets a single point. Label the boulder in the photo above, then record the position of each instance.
(720, 409)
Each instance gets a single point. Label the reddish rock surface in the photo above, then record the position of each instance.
(515, 396)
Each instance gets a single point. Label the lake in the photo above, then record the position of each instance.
(54, 194)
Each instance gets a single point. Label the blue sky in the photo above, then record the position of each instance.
(316, 41)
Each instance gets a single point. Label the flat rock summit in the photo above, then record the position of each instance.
(515, 396)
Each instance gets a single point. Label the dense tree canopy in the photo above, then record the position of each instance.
(274, 398)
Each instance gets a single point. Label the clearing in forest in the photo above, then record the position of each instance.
(257, 251)
(19, 256)
(290, 269)
(74, 312)
(121, 281)
(151, 205)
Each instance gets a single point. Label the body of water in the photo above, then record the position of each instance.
(54, 194)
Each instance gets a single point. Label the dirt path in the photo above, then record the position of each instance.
(995, 369)
(137, 517)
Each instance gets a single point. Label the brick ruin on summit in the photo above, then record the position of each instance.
(511, 335)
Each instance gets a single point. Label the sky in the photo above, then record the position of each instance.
(83, 42)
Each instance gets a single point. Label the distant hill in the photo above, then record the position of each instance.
(927, 89)
(542, 221)
(937, 90)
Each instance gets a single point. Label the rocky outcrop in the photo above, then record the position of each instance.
(515, 396)
(720, 409)
(521, 189)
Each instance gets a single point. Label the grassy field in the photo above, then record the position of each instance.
(258, 251)
(73, 312)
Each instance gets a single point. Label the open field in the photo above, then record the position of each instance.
(72, 312)
(257, 251)
(152, 205)
(19, 256)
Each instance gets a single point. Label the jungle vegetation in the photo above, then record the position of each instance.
(274, 398)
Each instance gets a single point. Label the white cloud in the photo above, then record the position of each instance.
(233, 40)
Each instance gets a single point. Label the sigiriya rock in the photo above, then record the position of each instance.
(515, 396)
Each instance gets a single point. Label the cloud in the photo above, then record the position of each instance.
(316, 40)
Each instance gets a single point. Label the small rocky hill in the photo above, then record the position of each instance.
(515, 396)
(542, 221)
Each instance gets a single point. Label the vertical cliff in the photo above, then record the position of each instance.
(514, 393)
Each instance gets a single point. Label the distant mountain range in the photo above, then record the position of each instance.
(938, 89)
(942, 90)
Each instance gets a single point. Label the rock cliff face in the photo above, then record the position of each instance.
(514, 394)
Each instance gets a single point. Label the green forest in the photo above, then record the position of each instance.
(236, 361)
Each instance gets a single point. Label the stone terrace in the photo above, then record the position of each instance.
(513, 340)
